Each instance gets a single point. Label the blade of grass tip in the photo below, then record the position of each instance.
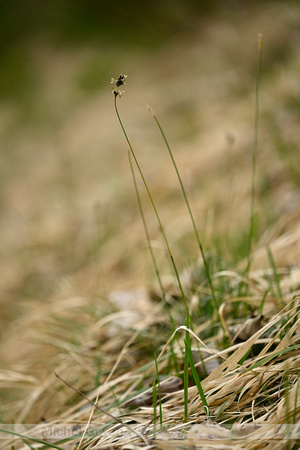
(206, 266)
(159, 393)
(254, 152)
(152, 202)
(116, 419)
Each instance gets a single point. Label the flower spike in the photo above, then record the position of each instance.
(118, 92)
(119, 81)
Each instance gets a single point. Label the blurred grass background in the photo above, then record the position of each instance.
(69, 220)
(121, 27)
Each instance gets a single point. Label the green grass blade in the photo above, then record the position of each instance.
(276, 277)
(254, 153)
(197, 378)
(206, 266)
(159, 393)
(153, 205)
(187, 342)
(154, 396)
(261, 306)
(273, 355)
(146, 228)
(26, 438)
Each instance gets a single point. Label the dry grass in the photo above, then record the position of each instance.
(262, 391)
(74, 260)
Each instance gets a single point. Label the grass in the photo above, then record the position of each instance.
(254, 151)
(238, 362)
(206, 266)
(188, 360)
(112, 390)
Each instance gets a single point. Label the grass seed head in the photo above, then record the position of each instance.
(117, 82)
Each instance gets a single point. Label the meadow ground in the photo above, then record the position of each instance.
(79, 295)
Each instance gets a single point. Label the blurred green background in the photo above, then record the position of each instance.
(120, 25)
(131, 25)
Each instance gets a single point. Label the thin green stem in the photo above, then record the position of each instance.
(254, 153)
(206, 266)
(154, 400)
(187, 344)
(146, 228)
(149, 239)
(275, 274)
(29, 438)
(153, 205)
(95, 405)
(164, 237)
(197, 379)
(159, 393)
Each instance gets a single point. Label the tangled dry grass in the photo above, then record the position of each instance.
(72, 301)
(261, 393)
